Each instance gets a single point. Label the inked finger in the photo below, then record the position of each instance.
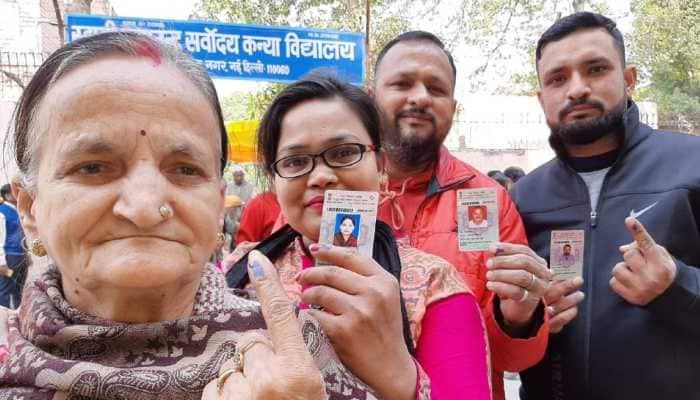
(640, 234)
(506, 249)
(276, 306)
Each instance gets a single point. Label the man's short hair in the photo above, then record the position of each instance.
(575, 22)
(416, 36)
(514, 173)
(5, 190)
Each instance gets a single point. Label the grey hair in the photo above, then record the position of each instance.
(23, 136)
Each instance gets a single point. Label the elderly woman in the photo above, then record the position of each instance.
(320, 134)
(121, 145)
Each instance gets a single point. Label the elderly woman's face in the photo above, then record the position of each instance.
(119, 138)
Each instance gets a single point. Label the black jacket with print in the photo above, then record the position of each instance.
(614, 349)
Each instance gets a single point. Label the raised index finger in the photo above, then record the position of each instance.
(277, 307)
(644, 240)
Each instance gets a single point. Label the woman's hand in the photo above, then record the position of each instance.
(275, 368)
(362, 317)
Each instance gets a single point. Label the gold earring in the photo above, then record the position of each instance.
(220, 239)
(36, 247)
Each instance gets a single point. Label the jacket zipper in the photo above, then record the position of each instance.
(593, 222)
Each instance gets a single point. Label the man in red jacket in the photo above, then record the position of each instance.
(414, 88)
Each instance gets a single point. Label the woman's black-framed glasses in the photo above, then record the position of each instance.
(338, 156)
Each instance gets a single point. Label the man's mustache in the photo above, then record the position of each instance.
(592, 103)
(416, 112)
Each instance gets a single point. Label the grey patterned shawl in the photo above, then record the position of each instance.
(57, 351)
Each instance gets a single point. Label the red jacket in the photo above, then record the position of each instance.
(434, 230)
(258, 218)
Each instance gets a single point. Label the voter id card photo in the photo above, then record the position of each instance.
(348, 219)
(477, 219)
(566, 254)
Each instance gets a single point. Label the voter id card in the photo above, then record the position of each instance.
(566, 254)
(477, 219)
(348, 219)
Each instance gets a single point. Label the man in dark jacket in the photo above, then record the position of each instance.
(634, 194)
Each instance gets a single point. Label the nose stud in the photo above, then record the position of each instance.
(165, 211)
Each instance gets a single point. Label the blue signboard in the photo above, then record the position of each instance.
(244, 51)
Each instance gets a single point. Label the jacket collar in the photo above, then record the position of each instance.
(448, 173)
(632, 134)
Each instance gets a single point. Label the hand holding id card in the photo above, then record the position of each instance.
(349, 219)
(477, 219)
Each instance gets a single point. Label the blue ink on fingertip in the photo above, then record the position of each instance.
(257, 270)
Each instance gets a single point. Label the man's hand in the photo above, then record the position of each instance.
(647, 270)
(563, 298)
(519, 277)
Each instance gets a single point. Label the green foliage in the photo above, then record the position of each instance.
(665, 45)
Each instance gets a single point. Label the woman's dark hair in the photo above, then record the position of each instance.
(22, 133)
(318, 85)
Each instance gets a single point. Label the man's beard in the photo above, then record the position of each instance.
(408, 149)
(589, 130)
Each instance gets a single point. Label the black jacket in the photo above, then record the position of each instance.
(613, 349)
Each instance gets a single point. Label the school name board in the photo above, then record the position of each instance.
(243, 51)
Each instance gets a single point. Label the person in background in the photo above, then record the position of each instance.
(514, 174)
(240, 187)
(13, 258)
(258, 218)
(634, 192)
(499, 177)
(414, 87)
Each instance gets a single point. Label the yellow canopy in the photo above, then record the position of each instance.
(241, 140)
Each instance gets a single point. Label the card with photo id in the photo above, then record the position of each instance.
(566, 254)
(349, 219)
(477, 219)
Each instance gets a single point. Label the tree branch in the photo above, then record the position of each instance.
(59, 21)
(13, 77)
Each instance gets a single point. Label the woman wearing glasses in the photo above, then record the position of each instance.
(322, 134)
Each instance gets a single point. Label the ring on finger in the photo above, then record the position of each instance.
(248, 346)
(526, 294)
(532, 282)
(237, 366)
